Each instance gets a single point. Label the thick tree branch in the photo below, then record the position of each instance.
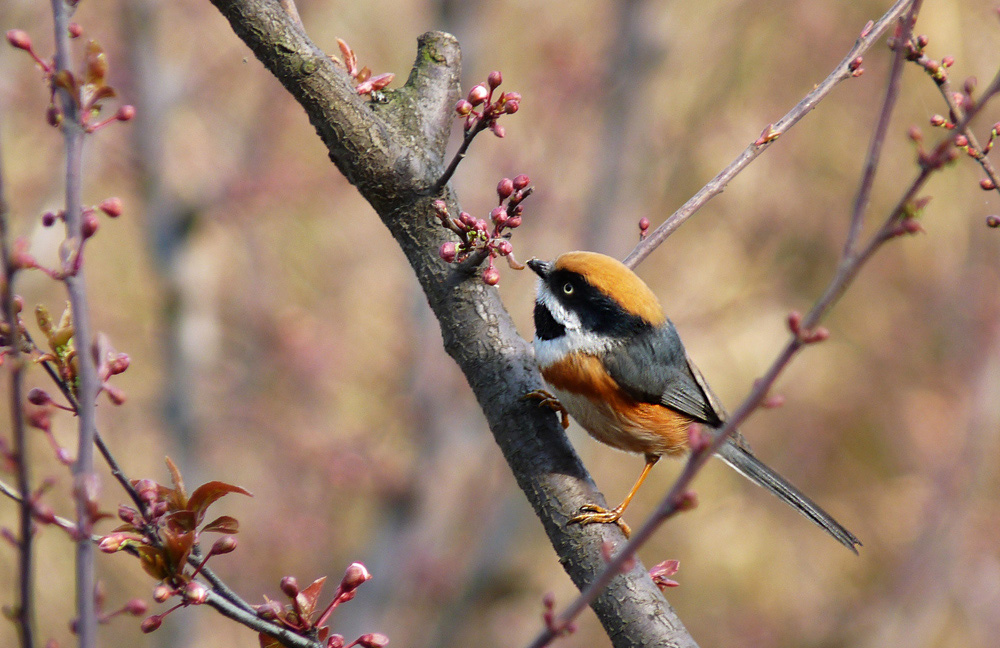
(392, 152)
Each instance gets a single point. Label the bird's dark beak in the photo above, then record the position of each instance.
(540, 268)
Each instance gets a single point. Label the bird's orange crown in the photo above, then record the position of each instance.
(616, 280)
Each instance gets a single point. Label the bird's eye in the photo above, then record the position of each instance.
(568, 288)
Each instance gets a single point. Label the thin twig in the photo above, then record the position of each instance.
(881, 128)
(25, 610)
(771, 133)
(83, 468)
(480, 126)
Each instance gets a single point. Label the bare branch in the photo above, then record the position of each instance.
(714, 187)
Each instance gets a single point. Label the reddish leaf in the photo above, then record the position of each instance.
(177, 548)
(64, 79)
(152, 562)
(223, 524)
(206, 494)
(307, 598)
(181, 521)
(178, 482)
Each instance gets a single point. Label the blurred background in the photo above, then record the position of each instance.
(280, 342)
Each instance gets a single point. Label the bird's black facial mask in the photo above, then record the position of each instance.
(546, 327)
(598, 313)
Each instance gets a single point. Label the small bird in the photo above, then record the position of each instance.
(616, 364)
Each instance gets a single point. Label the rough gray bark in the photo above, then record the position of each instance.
(392, 152)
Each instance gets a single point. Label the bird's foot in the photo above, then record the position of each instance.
(546, 399)
(593, 514)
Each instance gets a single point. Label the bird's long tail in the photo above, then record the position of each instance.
(750, 467)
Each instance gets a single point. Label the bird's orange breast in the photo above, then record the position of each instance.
(610, 415)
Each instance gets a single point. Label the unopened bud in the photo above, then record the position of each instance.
(915, 134)
(161, 593)
(448, 251)
(125, 113)
(494, 79)
(948, 61)
(48, 219)
(372, 640)
(268, 610)
(513, 221)
(290, 586)
(498, 216)
(993, 221)
(987, 184)
(521, 181)
(498, 129)
(504, 247)
(224, 545)
(19, 39)
(510, 106)
(39, 397)
(89, 225)
(75, 30)
(505, 188)
(151, 623)
(136, 607)
(491, 276)
(355, 575)
(961, 141)
(195, 592)
(111, 206)
(938, 121)
(463, 107)
(477, 95)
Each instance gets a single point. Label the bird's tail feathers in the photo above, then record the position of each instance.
(745, 463)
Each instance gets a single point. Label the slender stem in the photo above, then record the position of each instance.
(719, 182)
(26, 600)
(87, 384)
(254, 622)
(881, 128)
(459, 156)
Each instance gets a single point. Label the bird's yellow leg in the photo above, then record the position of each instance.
(545, 399)
(595, 514)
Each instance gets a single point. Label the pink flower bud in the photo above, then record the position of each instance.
(505, 188)
(19, 39)
(111, 206)
(521, 181)
(289, 586)
(89, 225)
(372, 640)
(491, 276)
(504, 247)
(440, 207)
(510, 107)
(643, 224)
(39, 397)
(463, 107)
(136, 607)
(467, 219)
(512, 96)
(513, 221)
(993, 221)
(448, 251)
(987, 184)
(53, 116)
(355, 575)
(498, 129)
(195, 592)
(478, 94)
(498, 216)
(961, 141)
(125, 113)
(915, 134)
(151, 623)
(948, 61)
(938, 121)
(162, 593)
(494, 79)
(268, 610)
(335, 641)
(224, 545)
(75, 30)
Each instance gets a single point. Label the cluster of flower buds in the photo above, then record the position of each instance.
(366, 83)
(477, 237)
(807, 336)
(88, 90)
(302, 614)
(482, 111)
(914, 51)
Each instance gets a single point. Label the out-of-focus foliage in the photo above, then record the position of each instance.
(316, 372)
